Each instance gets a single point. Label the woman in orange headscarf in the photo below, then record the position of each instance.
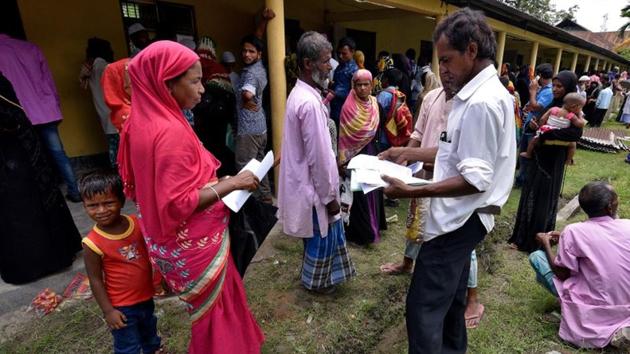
(173, 180)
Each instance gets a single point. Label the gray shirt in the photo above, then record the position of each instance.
(253, 79)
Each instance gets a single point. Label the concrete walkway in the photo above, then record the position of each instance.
(16, 297)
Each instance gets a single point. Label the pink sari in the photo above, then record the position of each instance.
(163, 166)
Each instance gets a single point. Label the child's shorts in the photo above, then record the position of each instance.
(140, 334)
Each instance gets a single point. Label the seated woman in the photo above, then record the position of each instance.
(358, 125)
(173, 180)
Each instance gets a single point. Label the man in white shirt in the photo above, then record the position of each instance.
(473, 174)
(603, 103)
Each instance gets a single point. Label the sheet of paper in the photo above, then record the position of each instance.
(363, 161)
(415, 167)
(236, 199)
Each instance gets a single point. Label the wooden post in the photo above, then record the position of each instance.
(500, 49)
(277, 76)
(556, 67)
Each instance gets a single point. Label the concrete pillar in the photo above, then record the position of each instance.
(532, 58)
(277, 76)
(574, 62)
(596, 64)
(556, 67)
(435, 62)
(500, 49)
(588, 63)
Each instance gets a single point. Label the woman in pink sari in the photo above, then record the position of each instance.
(173, 180)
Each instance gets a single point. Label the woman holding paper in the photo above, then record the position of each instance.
(358, 125)
(173, 180)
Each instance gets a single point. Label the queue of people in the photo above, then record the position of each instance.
(464, 125)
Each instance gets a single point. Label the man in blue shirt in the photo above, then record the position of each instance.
(540, 97)
(342, 78)
(603, 103)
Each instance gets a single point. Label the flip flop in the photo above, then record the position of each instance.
(393, 269)
(472, 322)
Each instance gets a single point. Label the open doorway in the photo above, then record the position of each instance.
(366, 42)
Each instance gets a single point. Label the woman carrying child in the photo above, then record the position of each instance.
(173, 180)
(559, 118)
(539, 198)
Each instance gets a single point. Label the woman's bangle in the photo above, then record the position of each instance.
(215, 193)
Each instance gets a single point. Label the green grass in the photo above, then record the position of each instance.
(366, 315)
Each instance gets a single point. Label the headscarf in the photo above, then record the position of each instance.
(358, 121)
(572, 133)
(569, 81)
(359, 57)
(117, 91)
(161, 161)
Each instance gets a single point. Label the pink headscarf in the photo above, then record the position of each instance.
(358, 121)
(161, 160)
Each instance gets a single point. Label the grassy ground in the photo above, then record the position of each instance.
(366, 315)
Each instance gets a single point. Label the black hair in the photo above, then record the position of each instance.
(101, 182)
(464, 27)
(393, 77)
(505, 81)
(411, 54)
(347, 42)
(253, 40)
(401, 62)
(99, 48)
(545, 70)
(383, 53)
(595, 197)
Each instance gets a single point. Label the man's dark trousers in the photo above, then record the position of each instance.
(436, 300)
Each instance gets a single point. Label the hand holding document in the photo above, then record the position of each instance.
(236, 199)
(366, 172)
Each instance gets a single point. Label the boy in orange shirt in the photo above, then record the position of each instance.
(118, 266)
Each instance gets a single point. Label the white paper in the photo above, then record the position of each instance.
(366, 172)
(236, 199)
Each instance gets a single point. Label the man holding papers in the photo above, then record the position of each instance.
(474, 169)
(308, 193)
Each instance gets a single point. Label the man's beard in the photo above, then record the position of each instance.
(320, 79)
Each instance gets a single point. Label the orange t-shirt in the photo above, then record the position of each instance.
(126, 268)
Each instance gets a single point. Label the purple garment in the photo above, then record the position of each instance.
(24, 64)
(308, 173)
(595, 299)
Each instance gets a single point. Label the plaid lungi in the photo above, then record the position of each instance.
(326, 259)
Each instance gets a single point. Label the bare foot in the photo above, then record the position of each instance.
(525, 155)
(474, 314)
(395, 269)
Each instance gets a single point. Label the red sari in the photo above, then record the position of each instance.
(164, 165)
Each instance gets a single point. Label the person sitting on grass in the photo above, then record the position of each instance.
(118, 266)
(590, 274)
(559, 118)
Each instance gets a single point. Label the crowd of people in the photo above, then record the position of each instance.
(180, 123)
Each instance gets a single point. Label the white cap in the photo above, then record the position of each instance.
(135, 28)
(584, 78)
(228, 58)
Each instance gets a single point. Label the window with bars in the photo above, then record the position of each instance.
(130, 10)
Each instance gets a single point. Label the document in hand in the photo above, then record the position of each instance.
(366, 172)
(236, 199)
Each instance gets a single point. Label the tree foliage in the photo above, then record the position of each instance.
(543, 10)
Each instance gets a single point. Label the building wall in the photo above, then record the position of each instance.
(389, 36)
(61, 29)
